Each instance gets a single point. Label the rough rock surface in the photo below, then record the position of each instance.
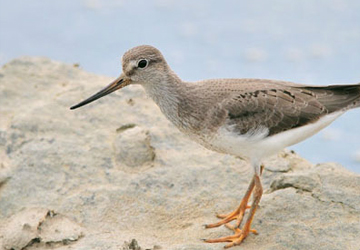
(38, 226)
(76, 163)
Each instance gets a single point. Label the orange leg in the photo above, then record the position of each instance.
(240, 235)
(238, 230)
(223, 216)
(238, 213)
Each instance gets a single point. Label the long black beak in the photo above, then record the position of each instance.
(115, 85)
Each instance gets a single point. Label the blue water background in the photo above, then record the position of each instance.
(312, 42)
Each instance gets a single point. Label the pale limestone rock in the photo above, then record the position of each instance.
(71, 162)
(37, 226)
(133, 148)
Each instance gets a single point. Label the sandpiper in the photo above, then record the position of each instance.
(248, 118)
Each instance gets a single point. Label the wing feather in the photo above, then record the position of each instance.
(277, 110)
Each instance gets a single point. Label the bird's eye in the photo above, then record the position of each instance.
(142, 63)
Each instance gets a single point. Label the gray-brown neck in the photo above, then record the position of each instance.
(167, 92)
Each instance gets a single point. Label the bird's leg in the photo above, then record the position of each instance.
(240, 235)
(238, 213)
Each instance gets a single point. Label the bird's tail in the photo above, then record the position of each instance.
(338, 97)
(357, 103)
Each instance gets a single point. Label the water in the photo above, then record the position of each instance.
(313, 42)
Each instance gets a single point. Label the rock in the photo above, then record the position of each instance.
(5, 170)
(22, 229)
(38, 226)
(58, 228)
(133, 245)
(100, 173)
(304, 182)
(132, 147)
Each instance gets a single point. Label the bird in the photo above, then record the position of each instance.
(247, 118)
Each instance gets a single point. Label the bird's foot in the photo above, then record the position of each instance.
(238, 230)
(237, 215)
(223, 216)
(236, 239)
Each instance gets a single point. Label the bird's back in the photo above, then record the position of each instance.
(249, 105)
(248, 111)
(278, 105)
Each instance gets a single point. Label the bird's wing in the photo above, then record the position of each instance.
(278, 109)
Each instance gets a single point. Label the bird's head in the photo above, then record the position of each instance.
(140, 65)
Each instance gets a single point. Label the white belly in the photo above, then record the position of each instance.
(256, 146)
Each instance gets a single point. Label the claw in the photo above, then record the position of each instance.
(236, 239)
(237, 215)
(236, 242)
